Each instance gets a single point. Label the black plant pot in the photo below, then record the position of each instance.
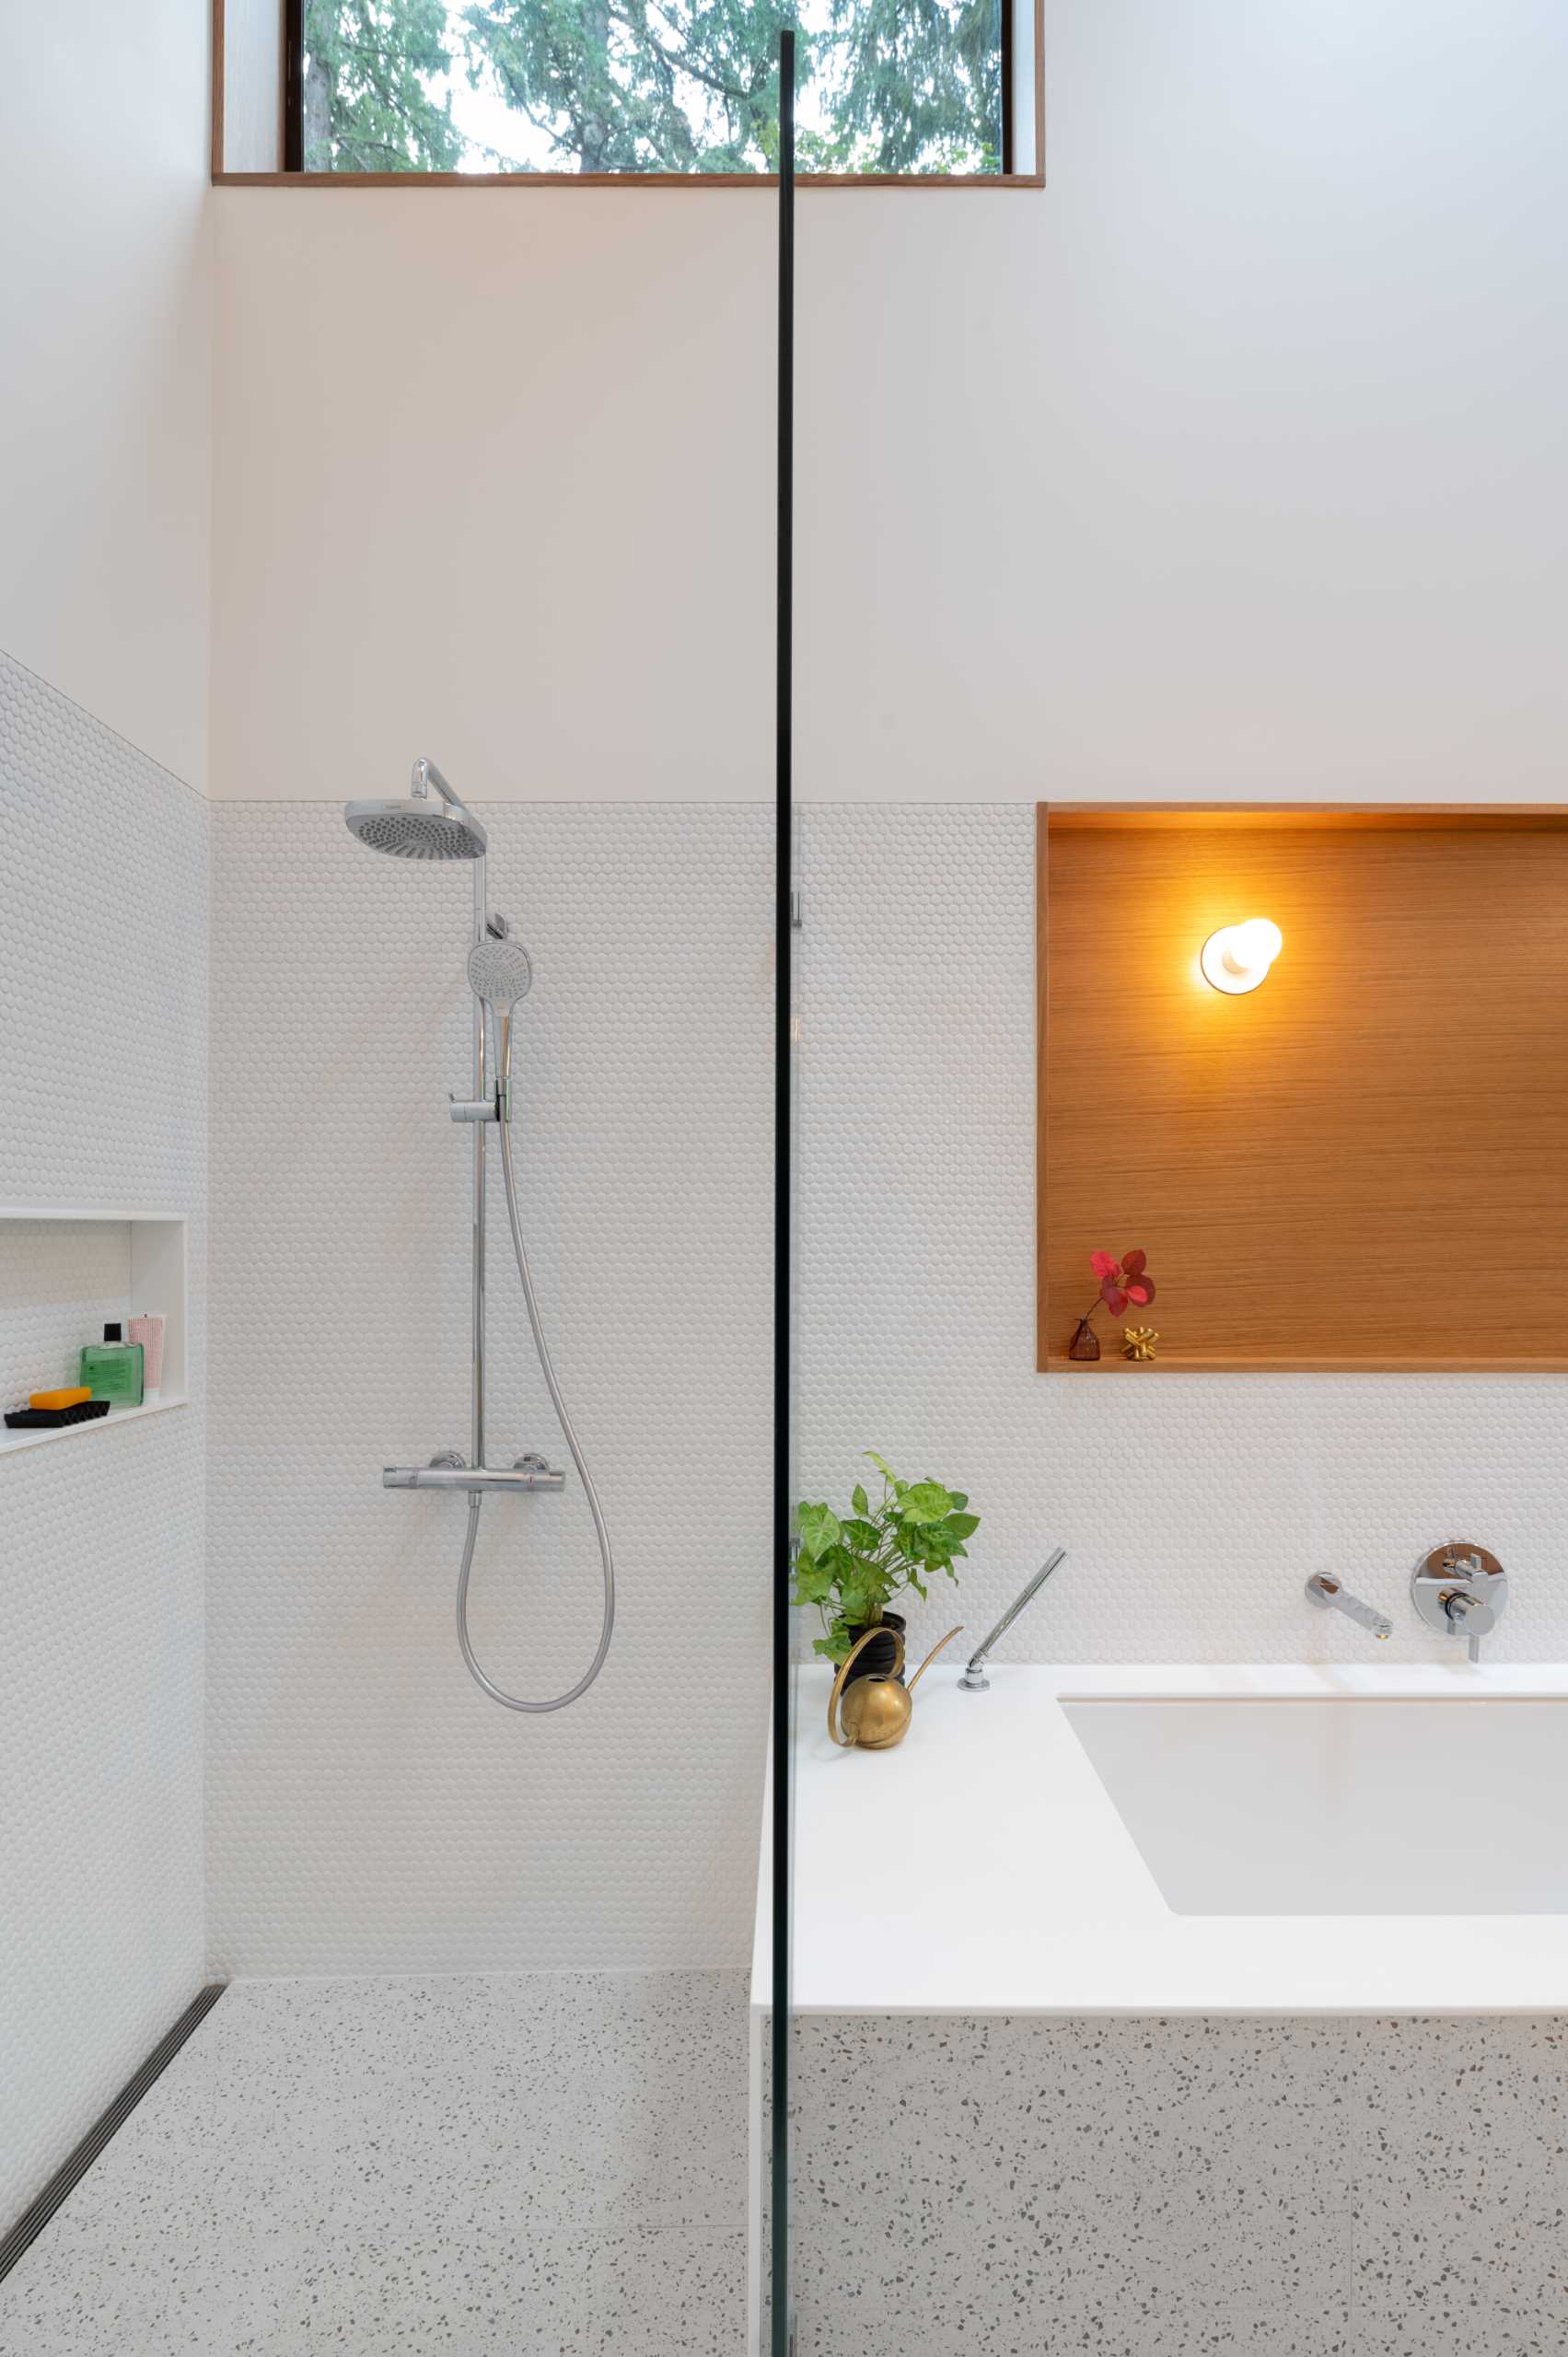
(881, 1653)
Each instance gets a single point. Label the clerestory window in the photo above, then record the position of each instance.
(624, 89)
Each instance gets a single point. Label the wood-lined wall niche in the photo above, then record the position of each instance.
(1363, 1164)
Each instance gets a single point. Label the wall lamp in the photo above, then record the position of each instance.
(1238, 957)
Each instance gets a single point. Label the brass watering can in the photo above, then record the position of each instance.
(875, 1712)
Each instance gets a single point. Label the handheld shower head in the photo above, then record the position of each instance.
(500, 972)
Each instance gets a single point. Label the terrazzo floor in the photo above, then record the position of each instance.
(544, 2164)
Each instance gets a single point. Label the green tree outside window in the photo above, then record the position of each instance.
(648, 86)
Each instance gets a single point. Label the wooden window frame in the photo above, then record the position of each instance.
(289, 116)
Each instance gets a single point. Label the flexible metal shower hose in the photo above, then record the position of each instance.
(496, 1693)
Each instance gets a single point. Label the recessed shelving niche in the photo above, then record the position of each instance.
(1359, 1163)
(63, 1274)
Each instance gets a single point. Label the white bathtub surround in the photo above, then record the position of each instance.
(984, 1867)
(1036, 2108)
(550, 2164)
(368, 1808)
(103, 987)
(985, 2186)
(1193, 1506)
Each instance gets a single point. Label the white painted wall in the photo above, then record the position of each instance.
(105, 365)
(1230, 463)
(494, 482)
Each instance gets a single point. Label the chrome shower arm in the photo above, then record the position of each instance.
(424, 775)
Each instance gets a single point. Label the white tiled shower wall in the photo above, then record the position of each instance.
(103, 980)
(1193, 1506)
(369, 1809)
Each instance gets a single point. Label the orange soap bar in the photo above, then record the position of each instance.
(71, 1398)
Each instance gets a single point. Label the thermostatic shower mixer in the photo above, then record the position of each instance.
(1461, 1590)
(447, 1471)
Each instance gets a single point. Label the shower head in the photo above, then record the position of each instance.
(500, 973)
(416, 830)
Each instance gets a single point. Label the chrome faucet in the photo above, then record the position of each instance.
(1324, 1589)
(974, 1680)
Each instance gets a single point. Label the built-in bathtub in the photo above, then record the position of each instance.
(1348, 1874)
(1191, 1840)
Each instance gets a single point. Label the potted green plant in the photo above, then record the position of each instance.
(851, 1566)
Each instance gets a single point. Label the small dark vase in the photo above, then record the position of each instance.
(880, 1655)
(1084, 1343)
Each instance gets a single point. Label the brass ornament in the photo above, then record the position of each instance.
(1138, 1341)
(875, 1712)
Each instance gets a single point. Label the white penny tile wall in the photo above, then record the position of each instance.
(103, 975)
(370, 1808)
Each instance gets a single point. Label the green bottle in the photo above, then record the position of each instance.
(112, 1369)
